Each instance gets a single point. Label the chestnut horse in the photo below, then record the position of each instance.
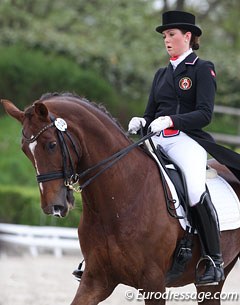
(126, 233)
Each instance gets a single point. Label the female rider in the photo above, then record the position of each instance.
(180, 104)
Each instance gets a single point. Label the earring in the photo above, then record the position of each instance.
(186, 41)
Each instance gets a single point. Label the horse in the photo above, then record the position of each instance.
(126, 233)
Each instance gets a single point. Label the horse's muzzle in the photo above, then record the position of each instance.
(60, 209)
(57, 210)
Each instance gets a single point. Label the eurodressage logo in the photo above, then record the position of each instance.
(185, 83)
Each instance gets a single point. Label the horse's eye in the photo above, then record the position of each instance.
(52, 145)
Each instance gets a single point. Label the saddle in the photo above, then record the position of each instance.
(170, 170)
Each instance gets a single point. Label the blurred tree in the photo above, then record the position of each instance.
(118, 38)
(111, 36)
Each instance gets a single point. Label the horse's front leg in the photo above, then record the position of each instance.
(154, 291)
(209, 295)
(92, 291)
(156, 299)
(155, 302)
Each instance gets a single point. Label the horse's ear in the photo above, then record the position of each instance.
(12, 110)
(40, 109)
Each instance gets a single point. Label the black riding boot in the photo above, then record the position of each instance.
(79, 271)
(206, 222)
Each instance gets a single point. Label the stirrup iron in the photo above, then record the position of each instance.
(198, 276)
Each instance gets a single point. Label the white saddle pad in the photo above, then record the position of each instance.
(226, 204)
(223, 197)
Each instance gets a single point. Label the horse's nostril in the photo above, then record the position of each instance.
(57, 210)
(58, 207)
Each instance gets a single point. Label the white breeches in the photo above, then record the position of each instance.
(192, 160)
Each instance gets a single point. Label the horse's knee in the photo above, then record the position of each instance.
(92, 291)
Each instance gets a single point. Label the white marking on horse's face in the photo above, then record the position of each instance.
(32, 147)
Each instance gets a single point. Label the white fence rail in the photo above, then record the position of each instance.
(36, 238)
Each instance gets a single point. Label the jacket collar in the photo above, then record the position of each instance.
(191, 59)
(176, 61)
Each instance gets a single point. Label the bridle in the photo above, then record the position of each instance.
(68, 173)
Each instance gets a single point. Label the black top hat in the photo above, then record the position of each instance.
(179, 20)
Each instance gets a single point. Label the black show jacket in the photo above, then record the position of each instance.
(187, 96)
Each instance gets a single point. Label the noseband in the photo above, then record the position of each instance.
(70, 176)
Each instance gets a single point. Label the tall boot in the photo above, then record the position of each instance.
(79, 271)
(206, 222)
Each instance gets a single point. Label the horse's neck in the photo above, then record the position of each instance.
(100, 137)
(114, 190)
(98, 145)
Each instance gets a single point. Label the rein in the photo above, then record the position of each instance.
(114, 158)
(71, 178)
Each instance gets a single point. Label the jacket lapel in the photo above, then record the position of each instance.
(180, 69)
(169, 75)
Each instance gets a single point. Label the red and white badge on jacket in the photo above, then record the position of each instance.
(185, 83)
